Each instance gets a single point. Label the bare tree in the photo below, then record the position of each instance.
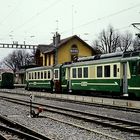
(110, 41)
(125, 41)
(136, 45)
(17, 59)
(107, 41)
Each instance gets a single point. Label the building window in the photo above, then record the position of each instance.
(74, 52)
(74, 49)
(49, 59)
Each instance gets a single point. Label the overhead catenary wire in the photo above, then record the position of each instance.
(36, 15)
(10, 13)
(104, 17)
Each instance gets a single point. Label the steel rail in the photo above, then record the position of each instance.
(120, 124)
(18, 133)
(15, 127)
(69, 123)
(136, 110)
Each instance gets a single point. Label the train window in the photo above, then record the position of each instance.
(55, 73)
(38, 75)
(32, 75)
(41, 74)
(45, 74)
(79, 72)
(99, 71)
(107, 71)
(29, 75)
(49, 75)
(86, 72)
(115, 70)
(74, 72)
(35, 75)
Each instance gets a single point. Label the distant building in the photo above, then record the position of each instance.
(5, 70)
(62, 50)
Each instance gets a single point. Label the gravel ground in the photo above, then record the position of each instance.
(48, 127)
(60, 131)
(97, 110)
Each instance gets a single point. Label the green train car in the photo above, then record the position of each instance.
(43, 78)
(115, 73)
(7, 80)
(38, 78)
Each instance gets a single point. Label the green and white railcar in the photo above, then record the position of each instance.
(117, 74)
(39, 78)
(6, 80)
(57, 78)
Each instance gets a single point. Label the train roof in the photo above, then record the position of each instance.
(103, 56)
(39, 68)
(43, 68)
(107, 58)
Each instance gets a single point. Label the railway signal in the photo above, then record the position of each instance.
(31, 100)
(34, 114)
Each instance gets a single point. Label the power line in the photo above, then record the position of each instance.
(36, 15)
(101, 18)
(10, 13)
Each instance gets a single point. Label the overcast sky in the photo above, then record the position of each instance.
(35, 21)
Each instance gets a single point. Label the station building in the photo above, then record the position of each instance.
(58, 52)
(62, 50)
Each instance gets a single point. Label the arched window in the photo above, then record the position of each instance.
(74, 52)
(74, 49)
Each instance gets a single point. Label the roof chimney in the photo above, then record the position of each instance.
(56, 39)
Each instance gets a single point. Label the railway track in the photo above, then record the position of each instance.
(97, 104)
(13, 130)
(129, 126)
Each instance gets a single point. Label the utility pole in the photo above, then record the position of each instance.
(136, 26)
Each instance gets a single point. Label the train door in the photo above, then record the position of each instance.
(124, 79)
(56, 79)
(69, 80)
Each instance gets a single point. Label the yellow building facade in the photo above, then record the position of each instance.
(61, 51)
